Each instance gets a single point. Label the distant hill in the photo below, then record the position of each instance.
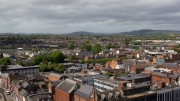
(81, 33)
(150, 31)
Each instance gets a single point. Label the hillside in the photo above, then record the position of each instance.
(150, 31)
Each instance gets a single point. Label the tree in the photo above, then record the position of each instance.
(137, 43)
(37, 60)
(110, 46)
(96, 48)
(5, 61)
(20, 62)
(57, 57)
(60, 68)
(43, 67)
(70, 46)
(108, 74)
(127, 72)
(72, 57)
(51, 66)
(127, 41)
(119, 73)
(86, 46)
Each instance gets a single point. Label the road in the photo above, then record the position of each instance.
(4, 97)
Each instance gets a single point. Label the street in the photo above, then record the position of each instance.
(4, 97)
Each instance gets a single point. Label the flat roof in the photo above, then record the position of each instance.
(132, 76)
(107, 80)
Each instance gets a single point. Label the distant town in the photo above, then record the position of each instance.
(136, 66)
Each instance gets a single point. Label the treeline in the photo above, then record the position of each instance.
(50, 62)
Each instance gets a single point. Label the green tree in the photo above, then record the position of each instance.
(127, 73)
(5, 61)
(110, 46)
(86, 46)
(137, 43)
(38, 60)
(119, 73)
(43, 67)
(108, 74)
(127, 41)
(96, 48)
(70, 46)
(72, 57)
(57, 57)
(52, 66)
(60, 68)
(20, 62)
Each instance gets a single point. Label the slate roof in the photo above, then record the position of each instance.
(131, 77)
(174, 76)
(169, 65)
(38, 96)
(38, 77)
(85, 91)
(68, 86)
(25, 84)
(55, 83)
(141, 65)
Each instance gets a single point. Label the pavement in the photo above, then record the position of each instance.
(4, 96)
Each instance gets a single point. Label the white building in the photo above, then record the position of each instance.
(104, 84)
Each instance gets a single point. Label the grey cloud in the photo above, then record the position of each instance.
(63, 16)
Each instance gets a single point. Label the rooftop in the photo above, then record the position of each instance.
(68, 86)
(10, 67)
(85, 91)
(107, 80)
(131, 77)
(141, 94)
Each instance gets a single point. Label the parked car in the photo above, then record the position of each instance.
(7, 92)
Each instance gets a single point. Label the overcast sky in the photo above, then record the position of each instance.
(65, 16)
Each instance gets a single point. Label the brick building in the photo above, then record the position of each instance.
(139, 68)
(56, 77)
(85, 93)
(65, 90)
(165, 77)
